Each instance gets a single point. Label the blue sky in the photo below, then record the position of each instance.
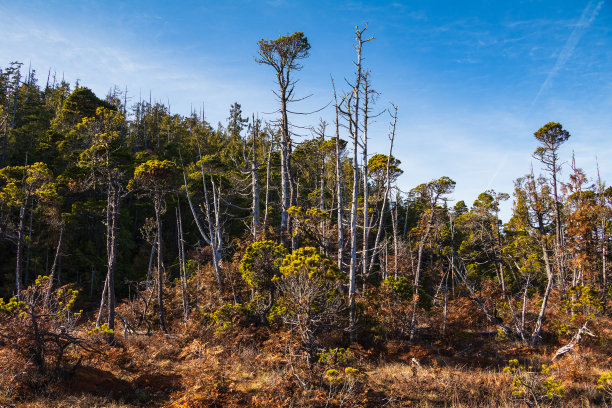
(472, 80)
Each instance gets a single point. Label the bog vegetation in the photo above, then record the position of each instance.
(151, 259)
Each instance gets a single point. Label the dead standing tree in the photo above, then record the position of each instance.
(102, 158)
(351, 112)
(156, 179)
(283, 55)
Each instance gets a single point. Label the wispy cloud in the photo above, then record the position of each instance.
(586, 19)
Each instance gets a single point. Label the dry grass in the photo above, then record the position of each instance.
(259, 367)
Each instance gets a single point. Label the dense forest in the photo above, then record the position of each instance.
(150, 258)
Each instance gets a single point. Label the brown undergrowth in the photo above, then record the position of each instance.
(250, 364)
(257, 367)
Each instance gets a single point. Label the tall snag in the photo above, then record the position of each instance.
(283, 55)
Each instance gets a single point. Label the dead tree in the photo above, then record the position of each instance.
(283, 55)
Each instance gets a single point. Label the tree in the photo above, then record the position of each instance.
(533, 214)
(236, 121)
(284, 55)
(385, 169)
(430, 195)
(156, 179)
(106, 164)
(310, 294)
(551, 136)
(351, 113)
(260, 267)
(19, 185)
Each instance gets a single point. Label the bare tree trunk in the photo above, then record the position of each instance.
(112, 260)
(268, 161)
(395, 238)
(339, 221)
(353, 232)
(255, 180)
(366, 190)
(559, 241)
(19, 266)
(150, 268)
(52, 275)
(387, 187)
(604, 267)
(160, 272)
(102, 301)
(445, 303)
(216, 199)
(524, 305)
(285, 171)
(354, 126)
(549, 275)
(29, 246)
(211, 228)
(417, 274)
(182, 269)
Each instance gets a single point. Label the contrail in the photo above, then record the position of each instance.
(588, 15)
(497, 170)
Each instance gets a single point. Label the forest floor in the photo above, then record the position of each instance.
(255, 366)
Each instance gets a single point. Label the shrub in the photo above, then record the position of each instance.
(310, 301)
(533, 386)
(259, 266)
(41, 324)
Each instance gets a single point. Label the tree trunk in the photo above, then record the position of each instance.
(211, 228)
(285, 171)
(267, 184)
(339, 221)
(160, 273)
(182, 269)
(112, 258)
(353, 232)
(52, 275)
(26, 278)
(549, 275)
(19, 266)
(255, 181)
(366, 190)
(395, 238)
(354, 128)
(150, 268)
(386, 194)
(417, 274)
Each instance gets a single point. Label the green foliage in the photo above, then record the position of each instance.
(20, 183)
(82, 103)
(41, 323)
(155, 169)
(583, 300)
(400, 286)
(311, 264)
(534, 386)
(155, 178)
(404, 291)
(604, 384)
(284, 52)
(310, 300)
(260, 264)
(228, 316)
(13, 307)
(377, 167)
(335, 356)
(103, 330)
(551, 135)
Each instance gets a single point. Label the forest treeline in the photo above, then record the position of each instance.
(148, 219)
